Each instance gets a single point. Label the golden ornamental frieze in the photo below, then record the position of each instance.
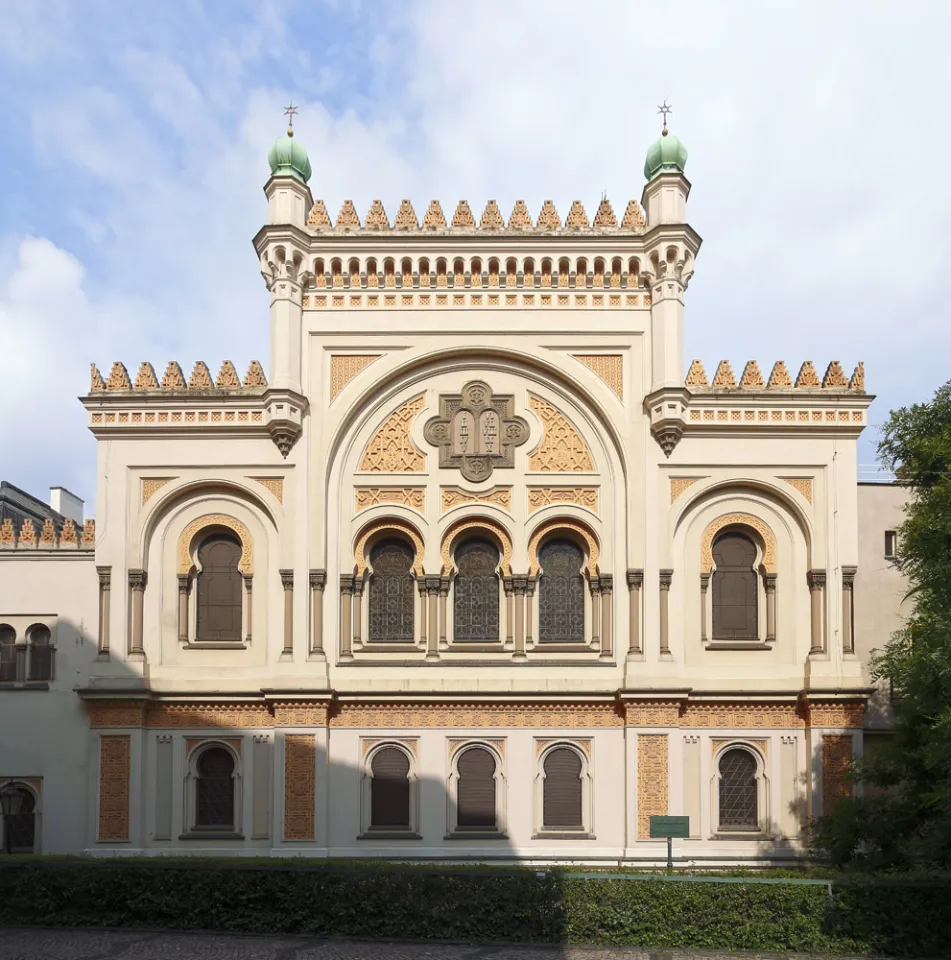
(608, 366)
(454, 496)
(300, 778)
(476, 716)
(245, 563)
(464, 299)
(559, 525)
(539, 497)
(561, 448)
(652, 777)
(345, 366)
(412, 497)
(746, 417)
(737, 519)
(391, 448)
(494, 530)
(381, 527)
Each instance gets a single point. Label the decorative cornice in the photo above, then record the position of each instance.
(173, 382)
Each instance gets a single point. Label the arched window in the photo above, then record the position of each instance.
(735, 588)
(738, 806)
(392, 601)
(560, 593)
(373, 278)
(19, 826)
(475, 611)
(214, 789)
(476, 790)
(8, 654)
(561, 797)
(389, 790)
(219, 589)
(41, 653)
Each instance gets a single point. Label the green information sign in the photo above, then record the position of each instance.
(662, 827)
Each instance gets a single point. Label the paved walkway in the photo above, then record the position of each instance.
(63, 944)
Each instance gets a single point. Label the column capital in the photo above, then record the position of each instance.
(346, 584)
(635, 578)
(769, 581)
(138, 579)
(606, 582)
(318, 579)
(848, 577)
(666, 576)
(433, 583)
(816, 579)
(287, 579)
(105, 576)
(520, 585)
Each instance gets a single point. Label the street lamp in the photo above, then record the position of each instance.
(11, 799)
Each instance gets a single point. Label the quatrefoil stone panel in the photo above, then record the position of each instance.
(476, 431)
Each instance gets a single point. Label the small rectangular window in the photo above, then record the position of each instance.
(891, 541)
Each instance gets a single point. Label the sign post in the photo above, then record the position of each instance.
(669, 827)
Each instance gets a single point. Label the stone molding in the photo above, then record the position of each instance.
(412, 497)
(539, 497)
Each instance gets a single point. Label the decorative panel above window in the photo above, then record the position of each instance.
(560, 593)
(219, 589)
(475, 609)
(392, 594)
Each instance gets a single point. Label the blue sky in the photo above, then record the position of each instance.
(135, 137)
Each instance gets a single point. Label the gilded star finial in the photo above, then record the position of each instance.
(665, 108)
(289, 112)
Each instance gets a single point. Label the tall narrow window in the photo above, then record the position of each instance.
(20, 824)
(738, 791)
(8, 654)
(561, 801)
(389, 790)
(392, 603)
(891, 542)
(734, 588)
(219, 589)
(214, 806)
(41, 654)
(476, 790)
(475, 610)
(560, 593)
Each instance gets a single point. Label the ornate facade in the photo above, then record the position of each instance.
(476, 570)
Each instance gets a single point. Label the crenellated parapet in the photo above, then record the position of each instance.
(174, 383)
(463, 221)
(751, 378)
(48, 536)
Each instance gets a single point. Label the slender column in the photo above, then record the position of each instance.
(423, 613)
(665, 578)
(432, 588)
(769, 581)
(595, 587)
(105, 598)
(817, 584)
(519, 585)
(358, 612)
(529, 609)
(848, 616)
(509, 609)
(607, 636)
(443, 607)
(287, 582)
(183, 582)
(346, 610)
(318, 581)
(704, 587)
(635, 580)
(137, 581)
(248, 596)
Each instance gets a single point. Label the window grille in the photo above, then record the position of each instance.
(392, 604)
(475, 611)
(560, 593)
(219, 589)
(215, 786)
(738, 791)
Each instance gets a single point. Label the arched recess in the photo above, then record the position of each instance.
(191, 533)
(572, 529)
(759, 821)
(759, 527)
(382, 527)
(485, 525)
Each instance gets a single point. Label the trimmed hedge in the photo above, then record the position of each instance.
(517, 906)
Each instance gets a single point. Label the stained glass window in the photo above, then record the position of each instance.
(389, 790)
(738, 791)
(475, 611)
(215, 789)
(734, 589)
(219, 589)
(560, 593)
(392, 603)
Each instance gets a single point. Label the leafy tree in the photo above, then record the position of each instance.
(904, 817)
